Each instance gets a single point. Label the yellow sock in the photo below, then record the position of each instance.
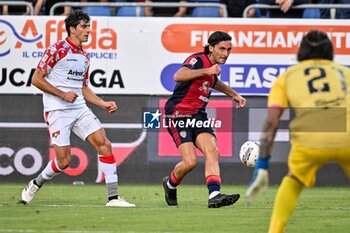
(285, 202)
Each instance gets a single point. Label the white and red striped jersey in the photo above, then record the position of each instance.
(67, 68)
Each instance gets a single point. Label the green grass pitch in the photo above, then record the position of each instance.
(75, 209)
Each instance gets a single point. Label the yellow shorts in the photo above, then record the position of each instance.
(304, 163)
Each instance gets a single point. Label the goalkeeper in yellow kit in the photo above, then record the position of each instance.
(318, 91)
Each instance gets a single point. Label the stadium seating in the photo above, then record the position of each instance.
(208, 1)
(312, 14)
(205, 12)
(98, 11)
(130, 11)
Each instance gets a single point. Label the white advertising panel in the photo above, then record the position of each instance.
(140, 55)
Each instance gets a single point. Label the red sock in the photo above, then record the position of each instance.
(173, 180)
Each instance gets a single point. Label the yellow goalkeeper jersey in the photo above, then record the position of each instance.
(318, 92)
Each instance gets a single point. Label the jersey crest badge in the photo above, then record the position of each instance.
(55, 134)
(183, 134)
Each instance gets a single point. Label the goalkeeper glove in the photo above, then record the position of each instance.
(259, 181)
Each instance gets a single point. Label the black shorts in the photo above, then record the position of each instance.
(186, 129)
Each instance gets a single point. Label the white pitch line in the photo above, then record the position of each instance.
(51, 231)
(16, 230)
(43, 125)
(84, 206)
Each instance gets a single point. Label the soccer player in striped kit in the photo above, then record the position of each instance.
(195, 79)
(62, 75)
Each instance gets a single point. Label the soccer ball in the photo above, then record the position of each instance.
(249, 153)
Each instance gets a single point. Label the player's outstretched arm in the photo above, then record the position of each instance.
(222, 87)
(260, 178)
(92, 98)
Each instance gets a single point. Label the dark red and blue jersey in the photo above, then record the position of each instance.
(191, 97)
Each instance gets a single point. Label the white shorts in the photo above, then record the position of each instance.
(82, 121)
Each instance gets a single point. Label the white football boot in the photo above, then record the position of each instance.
(120, 202)
(29, 192)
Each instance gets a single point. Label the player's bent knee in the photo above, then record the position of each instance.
(107, 143)
(103, 147)
(104, 143)
(191, 163)
(212, 153)
(64, 163)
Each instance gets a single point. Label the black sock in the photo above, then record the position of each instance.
(113, 197)
(36, 183)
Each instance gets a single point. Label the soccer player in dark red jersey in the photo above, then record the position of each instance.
(195, 79)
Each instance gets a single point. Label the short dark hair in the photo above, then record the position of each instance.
(216, 37)
(315, 44)
(74, 18)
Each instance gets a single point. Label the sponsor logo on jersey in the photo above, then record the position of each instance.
(75, 72)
